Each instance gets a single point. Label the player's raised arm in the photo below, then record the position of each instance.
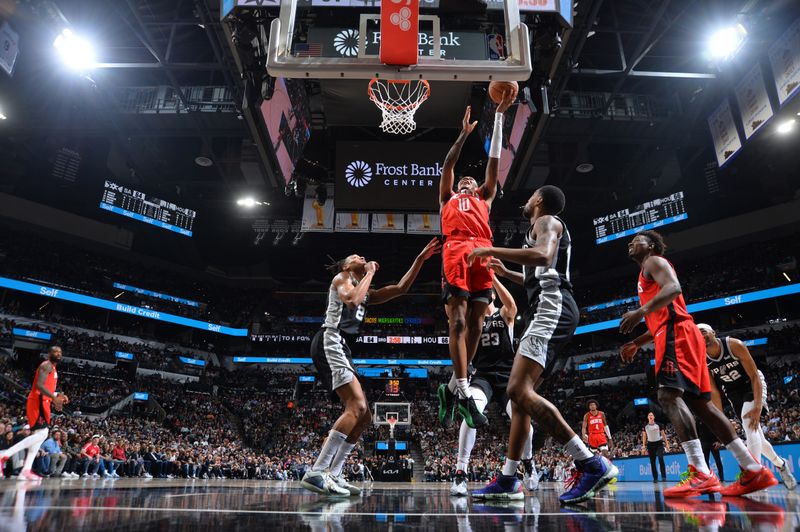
(489, 187)
(547, 230)
(353, 295)
(382, 295)
(448, 172)
(509, 309)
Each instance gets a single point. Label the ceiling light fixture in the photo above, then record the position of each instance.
(725, 42)
(786, 126)
(76, 52)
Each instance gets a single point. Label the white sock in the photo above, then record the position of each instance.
(510, 467)
(527, 451)
(329, 450)
(769, 451)
(466, 441)
(577, 449)
(742, 455)
(694, 455)
(463, 388)
(341, 457)
(452, 384)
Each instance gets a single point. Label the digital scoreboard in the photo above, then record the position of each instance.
(135, 204)
(628, 222)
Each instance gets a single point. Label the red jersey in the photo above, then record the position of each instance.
(675, 311)
(91, 450)
(49, 383)
(595, 423)
(466, 215)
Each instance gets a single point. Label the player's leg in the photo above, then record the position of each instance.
(358, 419)
(758, 445)
(466, 442)
(457, 312)
(476, 315)
(520, 422)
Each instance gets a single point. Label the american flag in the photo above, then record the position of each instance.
(311, 49)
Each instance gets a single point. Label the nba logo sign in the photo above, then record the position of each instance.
(494, 42)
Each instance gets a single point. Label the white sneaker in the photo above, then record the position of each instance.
(95, 475)
(788, 479)
(148, 475)
(342, 483)
(321, 482)
(84, 475)
(106, 474)
(115, 475)
(459, 487)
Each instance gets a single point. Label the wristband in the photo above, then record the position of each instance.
(496, 147)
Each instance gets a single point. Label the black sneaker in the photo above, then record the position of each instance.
(447, 405)
(469, 411)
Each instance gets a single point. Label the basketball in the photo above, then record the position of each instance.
(498, 89)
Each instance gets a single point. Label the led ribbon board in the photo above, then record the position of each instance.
(66, 295)
(720, 302)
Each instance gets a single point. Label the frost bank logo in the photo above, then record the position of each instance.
(346, 43)
(358, 174)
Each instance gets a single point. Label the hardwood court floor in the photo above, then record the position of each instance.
(134, 504)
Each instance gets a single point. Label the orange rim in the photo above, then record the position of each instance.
(414, 105)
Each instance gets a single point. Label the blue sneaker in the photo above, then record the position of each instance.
(588, 477)
(501, 488)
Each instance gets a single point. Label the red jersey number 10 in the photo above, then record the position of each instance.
(463, 204)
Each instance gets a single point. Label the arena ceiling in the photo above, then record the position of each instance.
(629, 91)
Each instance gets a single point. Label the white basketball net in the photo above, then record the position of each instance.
(398, 100)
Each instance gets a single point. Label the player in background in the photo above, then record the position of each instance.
(466, 287)
(348, 296)
(595, 429)
(552, 317)
(680, 364)
(492, 364)
(41, 399)
(734, 371)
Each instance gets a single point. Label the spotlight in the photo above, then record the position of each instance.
(249, 202)
(726, 42)
(2, 115)
(786, 126)
(76, 52)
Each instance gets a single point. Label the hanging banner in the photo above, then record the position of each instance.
(751, 94)
(423, 224)
(784, 56)
(352, 222)
(388, 223)
(9, 48)
(723, 132)
(316, 217)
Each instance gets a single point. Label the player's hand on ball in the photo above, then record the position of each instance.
(630, 320)
(466, 125)
(372, 267)
(478, 253)
(433, 247)
(627, 352)
(508, 100)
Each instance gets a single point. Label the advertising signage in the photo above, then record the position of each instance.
(389, 176)
(343, 42)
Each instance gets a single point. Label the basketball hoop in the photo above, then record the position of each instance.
(398, 100)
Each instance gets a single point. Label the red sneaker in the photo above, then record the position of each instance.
(28, 475)
(762, 515)
(694, 483)
(750, 481)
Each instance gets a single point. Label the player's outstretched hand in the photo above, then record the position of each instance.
(466, 125)
(372, 267)
(498, 267)
(508, 100)
(433, 247)
(478, 253)
(630, 320)
(627, 352)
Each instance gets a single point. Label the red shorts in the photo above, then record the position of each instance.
(38, 410)
(597, 440)
(681, 358)
(460, 279)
